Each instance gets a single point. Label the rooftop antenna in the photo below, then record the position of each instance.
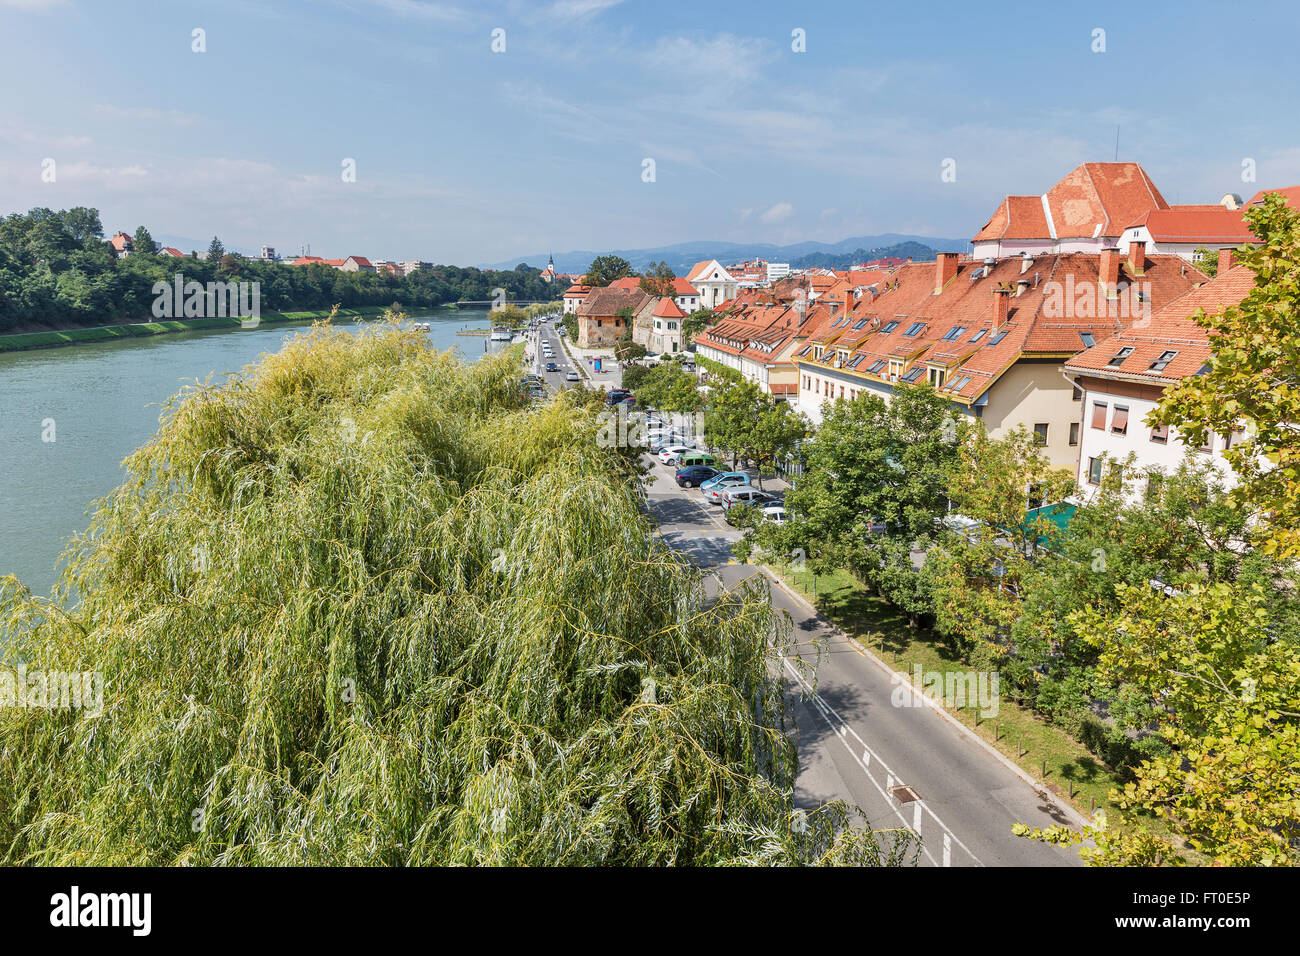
(1117, 142)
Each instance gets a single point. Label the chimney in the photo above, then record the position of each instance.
(1000, 299)
(945, 267)
(1137, 253)
(1021, 286)
(1108, 271)
(1226, 258)
(1026, 260)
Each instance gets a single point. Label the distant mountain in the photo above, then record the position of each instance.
(916, 251)
(681, 256)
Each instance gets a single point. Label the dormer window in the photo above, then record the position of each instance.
(1120, 356)
(1165, 358)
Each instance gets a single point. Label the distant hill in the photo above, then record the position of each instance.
(916, 251)
(681, 256)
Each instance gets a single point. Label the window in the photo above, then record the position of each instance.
(998, 338)
(953, 333)
(1234, 438)
(1077, 395)
(1099, 415)
(1088, 340)
(914, 329)
(856, 359)
(913, 375)
(860, 323)
(1074, 433)
(1165, 358)
(1119, 423)
(979, 335)
(877, 366)
(895, 368)
(1154, 481)
(1160, 434)
(1094, 471)
(959, 383)
(889, 326)
(937, 376)
(1040, 433)
(1120, 356)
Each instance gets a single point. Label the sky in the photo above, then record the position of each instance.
(468, 154)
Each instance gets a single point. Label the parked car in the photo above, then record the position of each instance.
(714, 487)
(657, 443)
(692, 475)
(775, 514)
(571, 376)
(696, 457)
(670, 453)
(748, 496)
(617, 395)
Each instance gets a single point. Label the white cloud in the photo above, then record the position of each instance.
(778, 213)
(417, 10)
(577, 9)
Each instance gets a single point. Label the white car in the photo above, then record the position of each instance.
(670, 453)
(743, 496)
(775, 514)
(571, 376)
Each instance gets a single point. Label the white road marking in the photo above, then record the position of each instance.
(827, 712)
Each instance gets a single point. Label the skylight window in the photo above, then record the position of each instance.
(860, 323)
(1088, 340)
(877, 366)
(1165, 358)
(979, 335)
(954, 333)
(889, 326)
(1120, 356)
(958, 384)
(913, 375)
(914, 329)
(998, 338)
(856, 360)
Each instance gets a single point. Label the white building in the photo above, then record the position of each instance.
(1124, 376)
(715, 284)
(777, 270)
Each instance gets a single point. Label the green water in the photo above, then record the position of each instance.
(104, 399)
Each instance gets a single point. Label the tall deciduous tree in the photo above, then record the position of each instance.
(1253, 377)
(144, 243)
(605, 269)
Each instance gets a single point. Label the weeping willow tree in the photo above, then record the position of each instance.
(362, 605)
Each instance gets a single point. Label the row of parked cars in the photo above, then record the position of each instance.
(695, 468)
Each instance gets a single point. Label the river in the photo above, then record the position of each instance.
(104, 399)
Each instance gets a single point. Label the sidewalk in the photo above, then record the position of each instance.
(611, 373)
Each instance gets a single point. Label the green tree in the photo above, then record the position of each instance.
(363, 605)
(144, 243)
(1252, 379)
(978, 570)
(694, 324)
(605, 269)
(657, 280)
(1230, 712)
(215, 250)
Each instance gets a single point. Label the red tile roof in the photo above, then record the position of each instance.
(1196, 224)
(668, 309)
(1289, 193)
(1019, 217)
(877, 327)
(1171, 329)
(1092, 200)
(606, 301)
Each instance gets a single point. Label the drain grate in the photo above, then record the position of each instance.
(904, 794)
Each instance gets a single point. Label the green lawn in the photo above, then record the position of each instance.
(1016, 731)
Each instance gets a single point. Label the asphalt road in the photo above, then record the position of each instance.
(855, 744)
(546, 333)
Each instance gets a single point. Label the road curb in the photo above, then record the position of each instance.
(1040, 788)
